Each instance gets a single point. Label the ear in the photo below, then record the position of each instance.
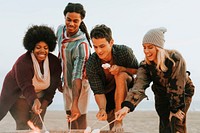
(111, 42)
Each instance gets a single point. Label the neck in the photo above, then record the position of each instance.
(69, 34)
(107, 60)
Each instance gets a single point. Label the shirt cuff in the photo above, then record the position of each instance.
(128, 104)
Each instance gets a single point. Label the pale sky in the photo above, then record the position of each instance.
(128, 19)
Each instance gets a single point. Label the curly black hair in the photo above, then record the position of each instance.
(36, 34)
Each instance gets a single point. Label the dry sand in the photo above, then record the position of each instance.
(136, 122)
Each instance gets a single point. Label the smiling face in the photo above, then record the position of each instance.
(150, 52)
(72, 22)
(103, 48)
(41, 51)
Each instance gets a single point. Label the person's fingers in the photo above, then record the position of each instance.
(74, 117)
(67, 117)
(32, 126)
(117, 116)
(39, 111)
(101, 116)
(171, 115)
(120, 116)
(180, 115)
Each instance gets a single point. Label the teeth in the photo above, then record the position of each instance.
(41, 55)
(148, 55)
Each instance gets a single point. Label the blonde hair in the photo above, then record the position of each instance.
(162, 55)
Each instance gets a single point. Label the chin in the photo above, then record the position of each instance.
(101, 57)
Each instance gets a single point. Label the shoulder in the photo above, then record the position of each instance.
(143, 63)
(24, 58)
(122, 51)
(53, 58)
(60, 27)
(23, 63)
(92, 61)
(93, 57)
(83, 39)
(60, 30)
(121, 47)
(54, 63)
(83, 42)
(175, 55)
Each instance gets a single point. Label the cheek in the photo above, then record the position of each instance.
(98, 50)
(47, 51)
(67, 22)
(154, 55)
(145, 51)
(77, 25)
(35, 51)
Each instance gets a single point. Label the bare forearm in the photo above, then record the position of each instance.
(131, 70)
(101, 101)
(76, 89)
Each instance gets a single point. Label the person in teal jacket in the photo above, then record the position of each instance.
(74, 51)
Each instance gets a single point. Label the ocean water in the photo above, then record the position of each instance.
(145, 105)
(148, 106)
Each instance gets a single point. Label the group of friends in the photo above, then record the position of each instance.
(29, 88)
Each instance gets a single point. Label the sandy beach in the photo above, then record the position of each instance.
(136, 122)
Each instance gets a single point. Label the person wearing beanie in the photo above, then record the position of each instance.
(29, 87)
(155, 36)
(172, 86)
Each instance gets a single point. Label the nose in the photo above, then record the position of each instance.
(146, 50)
(71, 23)
(98, 50)
(42, 50)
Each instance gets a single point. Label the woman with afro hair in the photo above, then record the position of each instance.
(30, 86)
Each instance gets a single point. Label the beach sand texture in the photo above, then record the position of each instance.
(136, 122)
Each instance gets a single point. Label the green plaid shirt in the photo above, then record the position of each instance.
(122, 56)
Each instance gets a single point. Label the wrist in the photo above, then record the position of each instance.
(75, 102)
(102, 109)
(128, 105)
(127, 109)
(123, 69)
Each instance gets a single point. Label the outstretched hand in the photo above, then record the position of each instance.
(37, 106)
(119, 115)
(75, 114)
(179, 114)
(35, 122)
(102, 115)
(115, 69)
(73, 117)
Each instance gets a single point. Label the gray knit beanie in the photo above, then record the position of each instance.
(155, 36)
